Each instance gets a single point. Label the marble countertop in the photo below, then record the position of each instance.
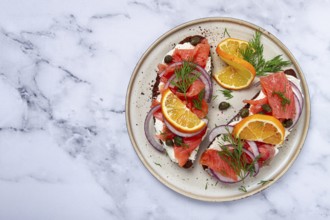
(64, 148)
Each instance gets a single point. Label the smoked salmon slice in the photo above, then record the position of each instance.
(256, 105)
(182, 153)
(198, 55)
(280, 95)
(213, 160)
(195, 88)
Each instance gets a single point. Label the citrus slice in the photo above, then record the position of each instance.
(232, 78)
(231, 47)
(263, 128)
(179, 115)
(229, 51)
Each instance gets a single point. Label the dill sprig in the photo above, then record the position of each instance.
(263, 182)
(233, 155)
(227, 93)
(184, 77)
(242, 188)
(254, 55)
(226, 32)
(198, 102)
(284, 99)
(158, 164)
(214, 97)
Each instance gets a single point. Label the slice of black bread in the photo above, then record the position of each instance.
(193, 40)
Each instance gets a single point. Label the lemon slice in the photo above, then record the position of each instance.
(179, 115)
(263, 128)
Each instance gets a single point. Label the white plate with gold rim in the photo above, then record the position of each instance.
(195, 182)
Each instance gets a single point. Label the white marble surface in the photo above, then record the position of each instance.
(64, 149)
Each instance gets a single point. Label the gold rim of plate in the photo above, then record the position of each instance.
(201, 22)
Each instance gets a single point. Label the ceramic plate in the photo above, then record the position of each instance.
(195, 182)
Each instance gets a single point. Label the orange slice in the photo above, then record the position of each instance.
(231, 47)
(242, 72)
(263, 128)
(179, 115)
(232, 78)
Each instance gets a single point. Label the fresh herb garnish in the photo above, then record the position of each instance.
(184, 77)
(254, 55)
(242, 188)
(263, 182)
(178, 141)
(226, 32)
(227, 93)
(158, 164)
(214, 97)
(206, 186)
(198, 102)
(232, 153)
(284, 100)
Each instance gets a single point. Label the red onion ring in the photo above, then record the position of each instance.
(179, 133)
(170, 66)
(206, 77)
(254, 148)
(225, 179)
(148, 133)
(255, 152)
(222, 129)
(256, 164)
(208, 86)
(167, 84)
(257, 84)
(298, 112)
(298, 94)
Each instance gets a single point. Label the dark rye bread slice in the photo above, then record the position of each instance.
(155, 90)
(237, 117)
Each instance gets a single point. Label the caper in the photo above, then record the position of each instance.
(195, 40)
(287, 123)
(169, 142)
(178, 141)
(224, 105)
(168, 59)
(244, 112)
(266, 108)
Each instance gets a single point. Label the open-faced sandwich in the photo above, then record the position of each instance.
(176, 123)
(252, 138)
